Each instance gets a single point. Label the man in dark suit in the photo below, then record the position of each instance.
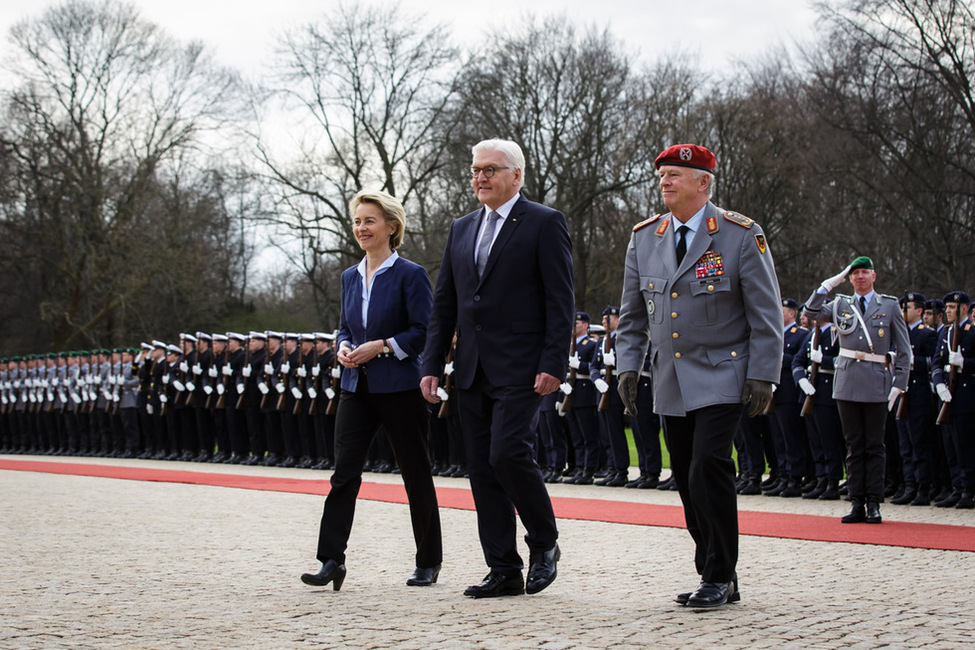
(505, 286)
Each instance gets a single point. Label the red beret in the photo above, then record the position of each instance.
(687, 155)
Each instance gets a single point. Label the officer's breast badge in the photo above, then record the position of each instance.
(709, 265)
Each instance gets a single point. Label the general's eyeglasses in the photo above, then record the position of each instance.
(487, 171)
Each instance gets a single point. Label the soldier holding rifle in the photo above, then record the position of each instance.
(870, 327)
(955, 384)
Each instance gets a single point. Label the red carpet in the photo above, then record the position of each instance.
(762, 524)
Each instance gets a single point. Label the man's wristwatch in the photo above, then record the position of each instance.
(386, 349)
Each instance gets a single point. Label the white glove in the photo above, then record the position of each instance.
(816, 355)
(208, 390)
(892, 397)
(76, 398)
(448, 369)
(336, 372)
(197, 369)
(312, 393)
(286, 367)
(183, 366)
(212, 372)
(246, 370)
(831, 283)
(268, 368)
(165, 378)
(296, 392)
(574, 362)
(609, 358)
(807, 386)
(956, 359)
(316, 370)
(329, 393)
(149, 409)
(279, 387)
(111, 380)
(190, 386)
(442, 394)
(601, 385)
(179, 385)
(31, 398)
(220, 389)
(566, 388)
(301, 371)
(97, 379)
(55, 381)
(3, 400)
(263, 388)
(115, 398)
(227, 370)
(943, 392)
(163, 398)
(240, 389)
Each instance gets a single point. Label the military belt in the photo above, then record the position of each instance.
(859, 355)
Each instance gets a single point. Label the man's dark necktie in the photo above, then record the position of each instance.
(682, 244)
(863, 305)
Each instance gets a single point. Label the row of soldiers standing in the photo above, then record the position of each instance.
(929, 435)
(267, 398)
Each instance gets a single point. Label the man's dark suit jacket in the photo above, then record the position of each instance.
(517, 319)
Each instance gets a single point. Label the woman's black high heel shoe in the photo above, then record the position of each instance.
(331, 571)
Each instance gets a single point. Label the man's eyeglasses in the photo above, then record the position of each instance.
(487, 171)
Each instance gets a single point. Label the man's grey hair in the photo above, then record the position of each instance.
(700, 172)
(513, 155)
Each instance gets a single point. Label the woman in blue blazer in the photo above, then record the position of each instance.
(386, 302)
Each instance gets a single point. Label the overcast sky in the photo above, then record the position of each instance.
(717, 31)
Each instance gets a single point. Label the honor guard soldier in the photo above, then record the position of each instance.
(915, 421)
(611, 423)
(870, 327)
(581, 418)
(954, 379)
(253, 385)
(327, 376)
(787, 428)
(700, 283)
(234, 403)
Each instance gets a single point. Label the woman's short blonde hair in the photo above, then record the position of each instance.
(392, 210)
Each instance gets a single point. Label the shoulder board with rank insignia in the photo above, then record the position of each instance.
(922, 326)
(793, 330)
(968, 326)
(712, 224)
(646, 222)
(884, 295)
(662, 228)
(740, 219)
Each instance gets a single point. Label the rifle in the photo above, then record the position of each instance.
(267, 396)
(567, 400)
(944, 415)
(809, 402)
(604, 400)
(244, 378)
(283, 397)
(222, 397)
(188, 400)
(448, 384)
(335, 385)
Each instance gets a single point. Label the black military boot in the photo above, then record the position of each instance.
(818, 490)
(923, 496)
(873, 512)
(906, 496)
(792, 489)
(857, 513)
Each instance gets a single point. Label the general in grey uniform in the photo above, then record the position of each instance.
(708, 298)
(870, 327)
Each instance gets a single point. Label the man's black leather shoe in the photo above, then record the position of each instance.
(873, 513)
(498, 584)
(331, 571)
(856, 515)
(711, 594)
(424, 577)
(542, 569)
(682, 598)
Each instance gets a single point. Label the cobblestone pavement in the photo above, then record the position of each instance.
(99, 563)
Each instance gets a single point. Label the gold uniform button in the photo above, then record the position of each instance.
(710, 287)
(677, 355)
(674, 295)
(675, 335)
(734, 354)
(673, 314)
(650, 286)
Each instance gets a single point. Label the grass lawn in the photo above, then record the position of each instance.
(663, 450)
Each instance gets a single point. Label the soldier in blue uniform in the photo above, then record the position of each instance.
(611, 424)
(786, 424)
(915, 422)
(956, 352)
(646, 431)
(582, 421)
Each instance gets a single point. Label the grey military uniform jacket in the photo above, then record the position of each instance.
(715, 320)
(860, 380)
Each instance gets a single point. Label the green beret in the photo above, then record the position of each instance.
(862, 262)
